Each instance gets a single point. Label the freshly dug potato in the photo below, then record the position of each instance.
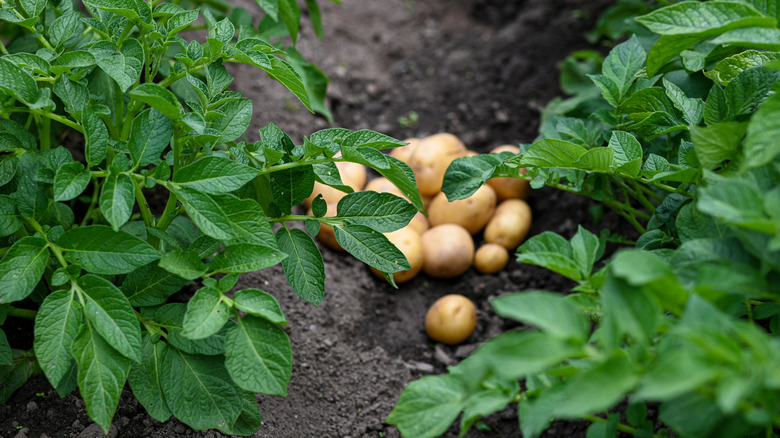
(507, 187)
(451, 319)
(448, 249)
(327, 235)
(419, 223)
(383, 185)
(430, 160)
(410, 243)
(491, 258)
(471, 213)
(510, 224)
(352, 174)
(404, 152)
(426, 200)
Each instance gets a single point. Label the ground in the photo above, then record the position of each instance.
(480, 69)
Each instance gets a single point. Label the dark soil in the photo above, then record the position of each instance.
(480, 69)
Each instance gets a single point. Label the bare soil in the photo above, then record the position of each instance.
(480, 69)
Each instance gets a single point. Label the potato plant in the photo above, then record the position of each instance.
(147, 114)
(677, 130)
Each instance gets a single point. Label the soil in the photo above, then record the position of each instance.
(480, 69)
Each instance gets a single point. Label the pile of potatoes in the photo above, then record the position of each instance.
(442, 245)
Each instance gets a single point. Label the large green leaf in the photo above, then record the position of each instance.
(101, 250)
(70, 181)
(691, 17)
(150, 135)
(117, 198)
(22, 268)
(248, 221)
(236, 119)
(245, 257)
(303, 267)
(551, 312)
(384, 212)
(283, 72)
(159, 98)
(291, 186)
(185, 264)
(206, 314)
(123, 65)
(150, 285)
(214, 175)
(145, 379)
(371, 247)
(259, 303)
(428, 406)
(258, 356)
(761, 144)
(467, 174)
(17, 82)
(56, 325)
(210, 218)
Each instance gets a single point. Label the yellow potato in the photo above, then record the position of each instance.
(491, 258)
(430, 160)
(383, 185)
(448, 249)
(507, 187)
(471, 213)
(352, 174)
(451, 319)
(510, 224)
(410, 243)
(419, 223)
(426, 200)
(327, 235)
(404, 152)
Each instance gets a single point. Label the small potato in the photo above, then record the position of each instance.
(471, 213)
(327, 235)
(383, 185)
(419, 223)
(404, 152)
(448, 249)
(410, 243)
(491, 258)
(507, 187)
(430, 160)
(352, 174)
(451, 319)
(510, 224)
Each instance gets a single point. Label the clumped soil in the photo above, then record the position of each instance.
(480, 69)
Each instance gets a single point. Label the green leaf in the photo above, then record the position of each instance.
(553, 313)
(159, 98)
(198, 390)
(150, 285)
(551, 153)
(64, 28)
(632, 311)
(249, 420)
(626, 153)
(22, 268)
(717, 143)
(749, 89)
(17, 82)
(736, 202)
(12, 378)
(101, 250)
(552, 252)
(761, 146)
(206, 314)
(248, 220)
(205, 212)
(150, 135)
(9, 217)
(689, 17)
(384, 212)
(245, 257)
(214, 175)
(493, 397)
(112, 315)
(271, 7)
(117, 198)
(236, 119)
(56, 326)
(290, 14)
(102, 374)
(622, 64)
(70, 181)
(402, 176)
(123, 65)
(467, 174)
(172, 317)
(70, 60)
(125, 8)
(727, 69)
(291, 186)
(371, 247)
(716, 107)
(180, 21)
(692, 110)
(314, 79)
(145, 379)
(13, 132)
(285, 74)
(428, 406)
(6, 355)
(370, 139)
(32, 8)
(258, 356)
(259, 303)
(764, 37)
(303, 267)
(185, 264)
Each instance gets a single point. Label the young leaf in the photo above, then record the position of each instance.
(123, 65)
(17, 82)
(552, 252)
(236, 119)
(370, 139)
(101, 250)
(185, 264)
(248, 220)
(22, 267)
(206, 314)
(627, 153)
(688, 18)
(429, 405)
(159, 98)
(717, 143)
(101, 375)
(622, 64)
(205, 212)
(749, 89)
(371, 247)
(258, 356)
(383, 212)
(467, 174)
(402, 176)
(291, 186)
(258, 303)
(70, 181)
(96, 136)
(303, 267)
(285, 74)
(150, 285)
(117, 198)
(214, 175)
(726, 70)
(551, 312)
(9, 218)
(145, 379)
(172, 316)
(56, 325)
(245, 257)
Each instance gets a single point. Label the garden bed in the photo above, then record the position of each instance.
(480, 69)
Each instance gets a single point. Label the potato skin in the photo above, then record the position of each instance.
(327, 235)
(451, 319)
(507, 187)
(410, 243)
(471, 213)
(510, 224)
(404, 152)
(448, 249)
(419, 223)
(383, 185)
(352, 174)
(430, 160)
(491, 258)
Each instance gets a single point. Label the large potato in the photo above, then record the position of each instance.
(430, 160)
(404, 152)
(471, 213)
(508, 187)
(419, 223)
(451, 319)
(352, 174)
(410, 243)
(510, 224)
(327, 235)
(448, 249)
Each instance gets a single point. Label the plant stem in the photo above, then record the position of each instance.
(22, 313)
(294, 164)
(56, 117)
(620, 426)
(297, 217)
(143, 205)
(93, 201)
(44, 132)
(169, 214)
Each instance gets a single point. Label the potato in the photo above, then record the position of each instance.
(430, 160)
(419, 223)
(491, 258)
(471, 213)
(404, 152)
(510, 224)
(451, 319)
(410, 243)
(426, 200)
(448, 249)
(383, 185)
(327, 235)
(352, 174)
(508, 187)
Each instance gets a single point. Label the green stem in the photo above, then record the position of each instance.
(620, 426)
(93, 202)
(125, 33)
(143, 205)
(297, 217)
(22, 313)
(54, 248)
(119, 108)
(3, 50)
(48, 115)
(44, 132)
(169, 214)
(299, 163)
